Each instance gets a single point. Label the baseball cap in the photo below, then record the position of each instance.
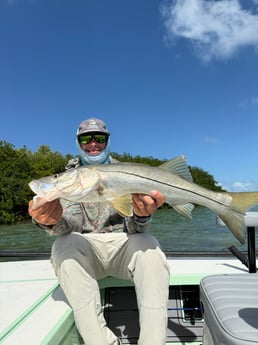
(92, 125)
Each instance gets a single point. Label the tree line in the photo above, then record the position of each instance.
(19, 166)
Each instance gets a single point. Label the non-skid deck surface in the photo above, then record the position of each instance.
(31, 304)
(34, 311)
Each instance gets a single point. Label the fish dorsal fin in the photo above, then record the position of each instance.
(178, 166)
(122, 204)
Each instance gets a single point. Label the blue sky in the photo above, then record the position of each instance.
(168, 78)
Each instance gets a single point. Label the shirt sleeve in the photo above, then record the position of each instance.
(136, 224)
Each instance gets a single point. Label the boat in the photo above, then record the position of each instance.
(34, 310)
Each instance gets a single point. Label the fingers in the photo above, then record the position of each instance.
(158, 197)
(145, 205)
(48, 214)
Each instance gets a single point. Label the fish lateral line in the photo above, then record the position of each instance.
(164, 183)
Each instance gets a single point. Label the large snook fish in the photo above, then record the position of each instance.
(114, 183)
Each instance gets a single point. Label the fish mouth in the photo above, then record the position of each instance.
(42, 188)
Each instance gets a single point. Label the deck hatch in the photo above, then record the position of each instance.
(185, 320)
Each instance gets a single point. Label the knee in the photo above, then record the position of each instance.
(147, 256)
(150, 265)
(153, 260)
(143, 242)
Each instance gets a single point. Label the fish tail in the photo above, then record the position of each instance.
(244, 200)
(235, 221)
(234, 216)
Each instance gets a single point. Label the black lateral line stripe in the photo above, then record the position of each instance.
(169, 185)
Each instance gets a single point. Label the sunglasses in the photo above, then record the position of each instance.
(99, 138)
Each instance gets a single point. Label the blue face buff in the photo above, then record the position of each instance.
(102, 158)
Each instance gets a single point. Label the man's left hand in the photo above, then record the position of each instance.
(145, 205)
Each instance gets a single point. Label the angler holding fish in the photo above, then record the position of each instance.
(101, 223)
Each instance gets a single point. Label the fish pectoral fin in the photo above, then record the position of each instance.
(123, 205)
(185, 210)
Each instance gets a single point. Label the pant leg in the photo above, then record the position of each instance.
(78, 269)
(142, 260)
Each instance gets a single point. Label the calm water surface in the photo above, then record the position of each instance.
(175, 233)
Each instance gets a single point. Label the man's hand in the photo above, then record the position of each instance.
(49, 213)
(145, 205)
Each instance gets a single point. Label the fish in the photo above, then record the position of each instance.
(115, 183)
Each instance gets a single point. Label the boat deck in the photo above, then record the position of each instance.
(34, 309)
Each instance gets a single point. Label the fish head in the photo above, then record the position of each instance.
(51, 187)
(73, 185)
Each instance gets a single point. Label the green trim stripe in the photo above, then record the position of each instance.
(25, 315)
(27, 280)
(60, 330)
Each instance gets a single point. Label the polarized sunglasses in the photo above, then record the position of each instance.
(99, 138)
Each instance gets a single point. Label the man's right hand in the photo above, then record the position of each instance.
(49, 213)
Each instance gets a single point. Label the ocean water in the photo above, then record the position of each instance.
(174, 232)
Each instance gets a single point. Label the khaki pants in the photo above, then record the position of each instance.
(79, 260)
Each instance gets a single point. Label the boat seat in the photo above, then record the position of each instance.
(230, 309)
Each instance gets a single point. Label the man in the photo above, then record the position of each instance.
(96, 242)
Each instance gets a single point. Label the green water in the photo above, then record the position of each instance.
(202, 233)
(174, 232)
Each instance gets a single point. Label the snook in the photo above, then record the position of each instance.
(114, 183)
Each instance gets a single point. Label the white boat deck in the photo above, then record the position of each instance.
(33, 307)
(27, 302)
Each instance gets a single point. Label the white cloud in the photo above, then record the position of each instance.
(217, 29)
(240, 186)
